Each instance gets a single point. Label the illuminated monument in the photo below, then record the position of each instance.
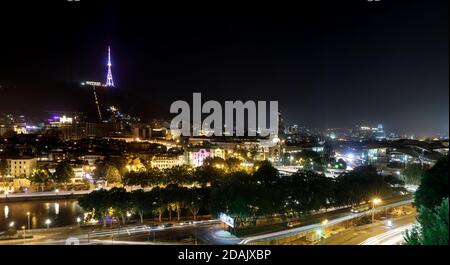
(109, 78)
(94, 84)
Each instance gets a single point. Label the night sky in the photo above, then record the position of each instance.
(334, 64)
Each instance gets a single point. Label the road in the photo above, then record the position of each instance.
(289, 232)
(392, 237)
(208, 232)
(378, 234)
(141, 234)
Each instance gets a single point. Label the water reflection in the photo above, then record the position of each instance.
(59, 212)
(56, 208)
(6, 210)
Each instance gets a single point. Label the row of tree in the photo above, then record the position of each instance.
(266, 192)
(117, 202)
(242, 194)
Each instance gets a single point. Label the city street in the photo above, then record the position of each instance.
(178, 234)
(343, 217)
(377, 234)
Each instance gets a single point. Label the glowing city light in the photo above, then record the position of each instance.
(109, 77)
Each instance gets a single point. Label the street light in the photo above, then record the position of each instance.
(23, 233)
(374, 202)
(78, 220)
(48, 222)
(321, 231)
(389, 223)
(11, 224)
(28, 220)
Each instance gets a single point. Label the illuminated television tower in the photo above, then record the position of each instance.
(109, 78)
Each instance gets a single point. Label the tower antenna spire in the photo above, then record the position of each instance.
(109, 78)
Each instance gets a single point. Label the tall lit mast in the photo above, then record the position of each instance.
(109, 78)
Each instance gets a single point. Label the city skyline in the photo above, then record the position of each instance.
(190, 125)
(311, 62)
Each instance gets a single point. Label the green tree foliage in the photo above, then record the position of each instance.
(178, 175)
(110, 173)
(413, 173)
(40, 177)
(3, 166)
(150, 177)
(117, 202)
(120, 162)
(97, 203)
(362, 184)
(11, 231)
(233, 164)
(142, 203)
(433, 228)
(207, 174)
(434, 185)
(247, 195)
(120, 201)
(63, 173)
(195, 201)
(266, 192)
(266, 173)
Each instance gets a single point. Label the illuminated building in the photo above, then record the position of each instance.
(166, 161)
(21, 167)
(196, 156)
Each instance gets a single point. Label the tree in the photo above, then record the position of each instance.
(120, 202)
(97, 203)
(233, 195)
(141, 203)
(3, 166)
(178, 195)
(110, 173)
(40, 177)
(195, 201)
(159, 209)
(11, 231)
(154, 177)
(178, 175)
(63, 173)
(120, 162)
(132, 178)
(413, 173)
(233, 164)
(434, 185)
(266, 173)
(433, 228)
(361, 184)
(134, 164)
(158, 204)
(207, 174)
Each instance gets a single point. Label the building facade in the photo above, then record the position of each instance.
(166, 161)
(21, 167)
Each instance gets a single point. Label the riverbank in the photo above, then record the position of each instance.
(36, 196)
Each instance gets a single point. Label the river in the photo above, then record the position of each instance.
(62, 212)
